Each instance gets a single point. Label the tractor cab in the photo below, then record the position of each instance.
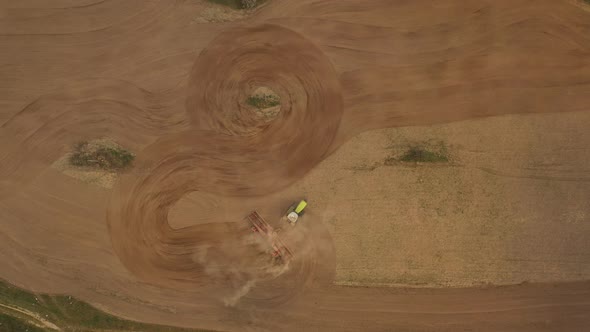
(295, 211)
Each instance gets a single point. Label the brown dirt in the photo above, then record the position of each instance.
(510, 206)
(144, 74)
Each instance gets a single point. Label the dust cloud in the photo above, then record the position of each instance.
(239, 265)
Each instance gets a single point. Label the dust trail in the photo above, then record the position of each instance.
(240, 264)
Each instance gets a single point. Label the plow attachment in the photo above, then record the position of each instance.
(278, 248)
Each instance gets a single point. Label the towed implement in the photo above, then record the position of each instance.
(278, 249)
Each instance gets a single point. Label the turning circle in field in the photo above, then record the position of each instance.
(244, 58)
(227, 151)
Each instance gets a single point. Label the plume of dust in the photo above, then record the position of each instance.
(236, 267)
(232, 300)
(309, 241)
(259, 269)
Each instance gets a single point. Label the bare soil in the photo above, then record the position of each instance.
(157, 79)
(509, 207)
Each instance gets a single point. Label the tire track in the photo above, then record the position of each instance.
(228, 151)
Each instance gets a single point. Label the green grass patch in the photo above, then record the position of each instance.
(15, 296)
(12, 324)
(99, 156)
(67, 313)
(421, 155)
(263, 101)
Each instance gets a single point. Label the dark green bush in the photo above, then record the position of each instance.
(263, 101)
(103, 157)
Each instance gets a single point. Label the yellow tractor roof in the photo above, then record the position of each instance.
(300, 206)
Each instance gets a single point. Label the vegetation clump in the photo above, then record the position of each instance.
(100, 156)
(238, 4)
(421, 155)
(263, 101)
(248, 4)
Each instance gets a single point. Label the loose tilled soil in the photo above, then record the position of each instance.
(169, 85)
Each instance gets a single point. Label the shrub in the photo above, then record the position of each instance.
(238, 4)
(263, 101)
(103, 157)
(420, 155)
(248, 4)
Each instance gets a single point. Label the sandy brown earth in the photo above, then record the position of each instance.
(510, 206)
(159, 78)
(502, 211)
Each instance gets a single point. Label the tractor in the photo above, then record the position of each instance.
(295, 211)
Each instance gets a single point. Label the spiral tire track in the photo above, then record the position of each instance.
(228, 152)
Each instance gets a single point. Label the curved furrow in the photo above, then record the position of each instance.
(230, 152)
(42, 132)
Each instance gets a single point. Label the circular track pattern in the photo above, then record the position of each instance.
(227, 152)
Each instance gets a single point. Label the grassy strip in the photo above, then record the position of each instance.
(68, 313)
(12, 324)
